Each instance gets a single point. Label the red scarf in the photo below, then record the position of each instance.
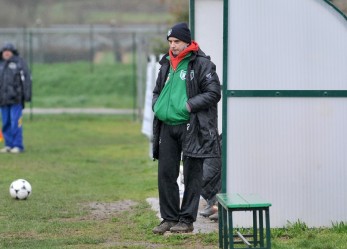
(176, 60)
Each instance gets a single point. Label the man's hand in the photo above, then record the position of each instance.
(188, 107)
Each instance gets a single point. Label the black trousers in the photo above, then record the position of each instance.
(170, 149)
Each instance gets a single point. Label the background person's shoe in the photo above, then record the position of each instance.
(5, 149)
(182, 227)
(15, 150)
(214, 217)
(164, 226)
(209, 210)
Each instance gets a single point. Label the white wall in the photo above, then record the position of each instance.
(292, 151)
(286, 44)
(289, 150)
(209, 36)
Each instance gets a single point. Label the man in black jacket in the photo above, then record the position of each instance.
(15, 89)
(185, 126)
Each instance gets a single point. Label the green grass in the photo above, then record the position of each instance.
(130, 17)
(72, 161)
(76, 85)
(299, 235)
(70, 12)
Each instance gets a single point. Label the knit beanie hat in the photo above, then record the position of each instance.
(181, 32)
(9, 47)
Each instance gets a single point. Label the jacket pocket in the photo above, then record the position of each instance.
(202, 136)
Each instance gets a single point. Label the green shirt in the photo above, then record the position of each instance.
(171, 103)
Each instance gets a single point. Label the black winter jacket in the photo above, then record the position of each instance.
(15, 81)
(212, 176)
(204, 92)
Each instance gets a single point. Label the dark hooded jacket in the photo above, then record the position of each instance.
(212, 176)
(15, 79)
(204, 92)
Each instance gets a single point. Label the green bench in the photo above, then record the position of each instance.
(229, 203)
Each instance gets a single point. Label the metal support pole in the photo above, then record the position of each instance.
(91, 42)
(134, 74)
(31, 69)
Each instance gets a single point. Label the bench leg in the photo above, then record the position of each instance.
(231, 229)
(225, 228)
(220, 225)
(255, 228)
(261, 228)
(268, 232)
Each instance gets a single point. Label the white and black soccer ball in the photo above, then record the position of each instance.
(20, 189)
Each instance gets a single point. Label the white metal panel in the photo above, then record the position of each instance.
(147, 122)
(209, 36)
(289, 150)
(292, 151)
(209, 30)
(286, 44)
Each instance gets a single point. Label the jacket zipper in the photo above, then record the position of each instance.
(168, 106)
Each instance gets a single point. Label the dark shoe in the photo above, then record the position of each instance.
(182, 227)
(164, 226)
(214, 217)
(209, 210)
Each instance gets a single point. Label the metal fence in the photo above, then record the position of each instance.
(90, 43)
(78, 43)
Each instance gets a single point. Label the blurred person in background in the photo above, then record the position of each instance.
(211, 180)
(212, 185)
(15, 90)
(185, 123)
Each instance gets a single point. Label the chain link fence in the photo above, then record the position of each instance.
(90, 43)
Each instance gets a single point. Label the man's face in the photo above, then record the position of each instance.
(7, 54)
(177, 46)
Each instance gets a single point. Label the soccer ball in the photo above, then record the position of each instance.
(20, 189)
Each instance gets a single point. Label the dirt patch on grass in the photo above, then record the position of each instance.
(102, 210)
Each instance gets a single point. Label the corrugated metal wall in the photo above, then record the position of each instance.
(286, 44)
(209, 36)
(290, 150)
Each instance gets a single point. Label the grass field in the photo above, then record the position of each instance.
(74, 12)
(71, 161)
(75, 85)
(75, 163)
(91, 176)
